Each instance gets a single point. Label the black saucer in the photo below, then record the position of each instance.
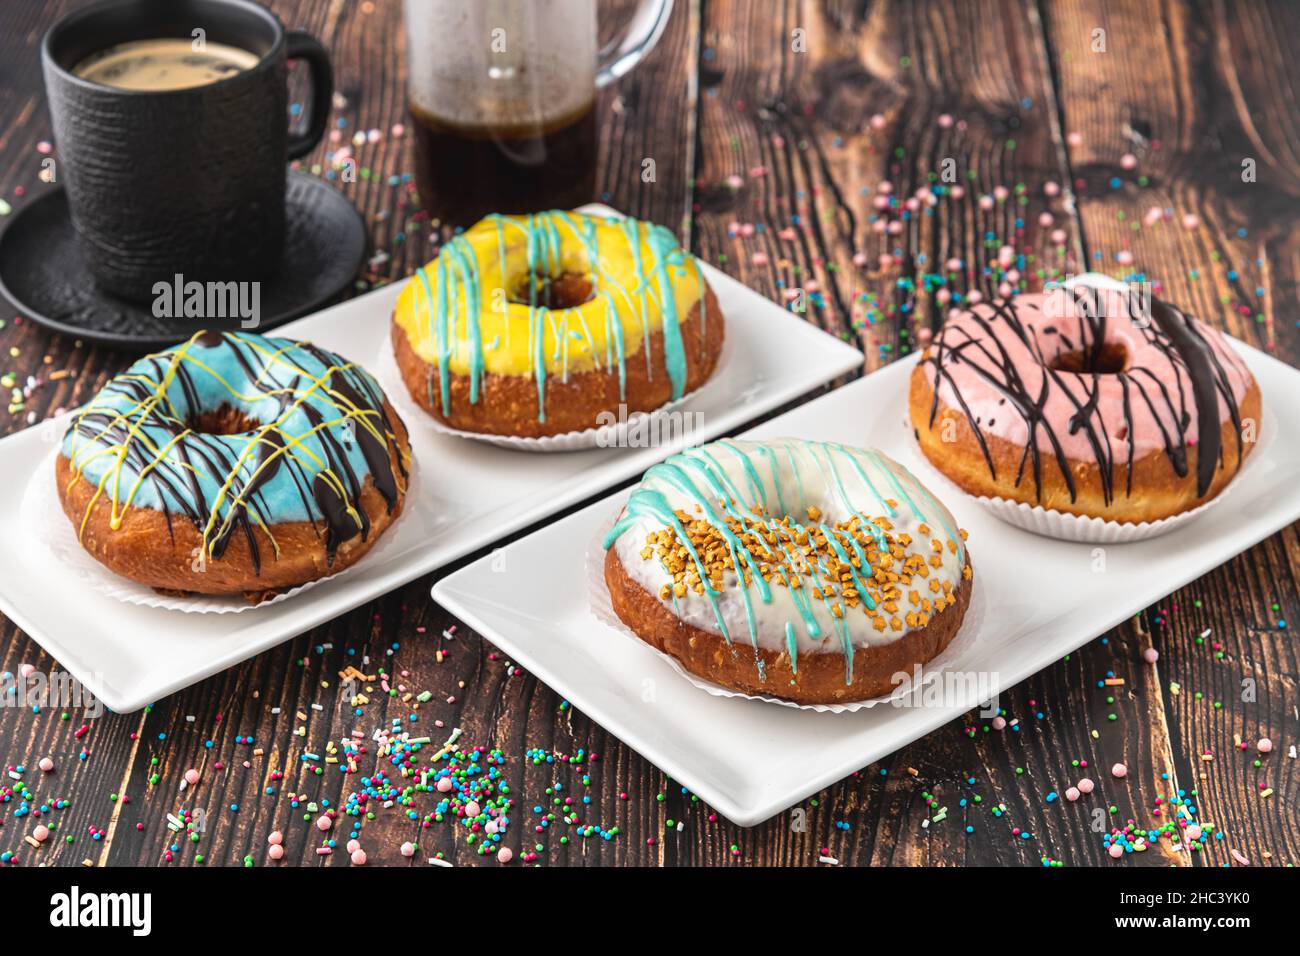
(43, 272)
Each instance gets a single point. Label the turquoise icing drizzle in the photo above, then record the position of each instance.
(702, 480)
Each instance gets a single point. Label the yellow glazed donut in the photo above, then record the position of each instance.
(548, 323)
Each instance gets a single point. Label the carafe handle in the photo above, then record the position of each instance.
(642, 33)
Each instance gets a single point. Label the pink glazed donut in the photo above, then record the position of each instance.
(1086, 401)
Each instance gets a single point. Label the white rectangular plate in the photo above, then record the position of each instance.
(750, 760)
(470, 494)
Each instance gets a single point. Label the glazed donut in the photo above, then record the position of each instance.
(850, 571)
(544, 324)
(1077, 401)
(234, 464)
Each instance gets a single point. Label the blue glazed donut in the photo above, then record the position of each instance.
(234, 463)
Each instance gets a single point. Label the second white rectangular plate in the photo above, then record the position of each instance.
(750, 760)
(468, 494)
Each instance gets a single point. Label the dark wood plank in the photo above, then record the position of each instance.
(1191, 91)
(861, 104)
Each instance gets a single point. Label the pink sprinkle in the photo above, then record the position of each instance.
(397, 131)
(957, 192)
(1193, 832)
(986, 202)
(1264, 745)
(472, 809)
(759, 259)
(1115, 851)
(885, 187)
(354, 845)
(1074, 139)
(1124, 257)
(1191, 221)
(505, 855)
(945, 120)
(1151, 655)
(41, 832)
(276, 852)
(1051, 188)
(44, 147)
(860, 259)
(877, 121)
(1236, 855)
(444, 784)
(1058, 237)
(1086, 785)
(1000, 193)
(26, 670)
(46, 764)
(1128, 161)
(323, 822)
(276, 838)
(408, 849)
(1119, 771)
(358, 857)
(1072, 794)
(999, 723)
(191, 776)
(787, 234)
(1045, 219)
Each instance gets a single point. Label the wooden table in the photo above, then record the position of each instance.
(758, 113)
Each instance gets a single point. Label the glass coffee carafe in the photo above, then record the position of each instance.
(502, 95)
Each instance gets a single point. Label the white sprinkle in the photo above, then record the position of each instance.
(433, 860)
(830, 860)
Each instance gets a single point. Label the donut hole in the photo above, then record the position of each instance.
(222, 421)
(568, 290)
(1110, 359)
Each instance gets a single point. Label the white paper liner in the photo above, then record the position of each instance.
(43, 515)
(607, 436)
(602, 609)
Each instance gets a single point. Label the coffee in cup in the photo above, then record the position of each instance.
(167, 63)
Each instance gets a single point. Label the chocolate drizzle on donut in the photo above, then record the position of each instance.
(143, 424)
(1172, 332)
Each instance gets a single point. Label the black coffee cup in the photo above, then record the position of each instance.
(187, 181)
